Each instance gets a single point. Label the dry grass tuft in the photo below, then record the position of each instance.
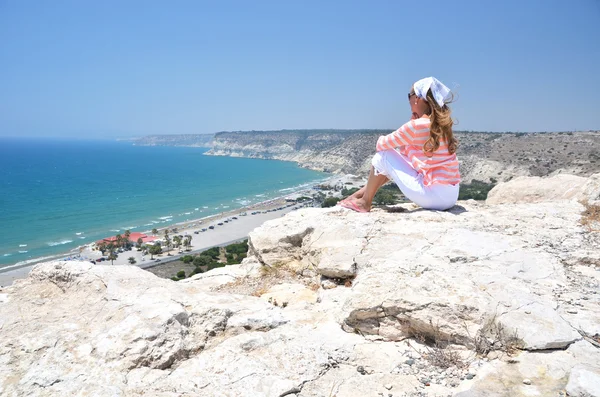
(590, 217)
(272, 275)
(493, 336)
(439, 350)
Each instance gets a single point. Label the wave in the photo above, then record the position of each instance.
(115, 230)
(204, 207)
(29, 261)
(128, 227)
(55, 243)
(166, 217)
(7, 255)
(196, 209)
(79, 233)
(82, 237)
(23, 252)
(187, 213)
(22, 245)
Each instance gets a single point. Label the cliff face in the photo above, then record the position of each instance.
(194, 140)
(483, 156)
(482, 300)
(329, 151)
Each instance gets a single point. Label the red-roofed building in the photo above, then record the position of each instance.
(133, 237)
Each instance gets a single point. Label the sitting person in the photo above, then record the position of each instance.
(419, 156)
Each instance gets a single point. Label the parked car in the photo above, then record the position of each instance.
(211, 227)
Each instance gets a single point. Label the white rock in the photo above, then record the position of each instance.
(584, 381)
(78, 329)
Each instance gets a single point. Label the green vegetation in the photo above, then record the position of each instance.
(212, 258)
(330, 202)
(385, 197)
(213, 252)
(349, 192)
(155, 250)
(131, 260)
(112, 256)
(202, 260)
(477, 190)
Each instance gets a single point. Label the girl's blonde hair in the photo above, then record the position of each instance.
(441, 126)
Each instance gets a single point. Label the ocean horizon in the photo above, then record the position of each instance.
(60, 194)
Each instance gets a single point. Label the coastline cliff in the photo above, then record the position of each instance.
(487, 157)
(496, 298)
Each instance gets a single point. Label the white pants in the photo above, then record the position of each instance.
(399, 169)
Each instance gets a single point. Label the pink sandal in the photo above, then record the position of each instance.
(351, 206)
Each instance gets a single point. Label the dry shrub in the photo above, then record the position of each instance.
(493, 336)
(590, 217)
(439, 351)
(270, 275)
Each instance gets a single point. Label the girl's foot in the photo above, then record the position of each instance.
(356, 205)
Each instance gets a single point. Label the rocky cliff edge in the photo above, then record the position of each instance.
(486, 299)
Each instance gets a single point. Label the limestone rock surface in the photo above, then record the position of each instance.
(533, 189)
(480, 300)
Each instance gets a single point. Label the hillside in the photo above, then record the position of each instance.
(484, 156)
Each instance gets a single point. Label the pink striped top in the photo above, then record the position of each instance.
(441, 167)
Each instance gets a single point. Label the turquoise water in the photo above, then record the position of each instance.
(57, 195)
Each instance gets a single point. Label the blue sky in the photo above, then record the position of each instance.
(130, 68)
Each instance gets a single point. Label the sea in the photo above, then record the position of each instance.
(57, 195)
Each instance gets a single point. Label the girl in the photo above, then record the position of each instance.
(420, 156)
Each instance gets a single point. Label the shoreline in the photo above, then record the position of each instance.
(233, 230)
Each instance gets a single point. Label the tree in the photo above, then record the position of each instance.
(102, 247)
(187, 259)
(330, 202)
(112, 256)
(155, 250)
(131, 260)
(126, 242)
(176, 241)
(167, 240)
(181, 274)
(119, 240)
(140, 241)
(202, 260)
(187, 242)
(212, 252)
(384, 197)
(154, 231)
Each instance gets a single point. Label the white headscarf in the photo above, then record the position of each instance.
(440, 92)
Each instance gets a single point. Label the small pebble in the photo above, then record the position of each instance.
(470, 376)
(527, 312)
(572, 311)
(409, 362)
(526, 381)
(388, 386)
(360, 369)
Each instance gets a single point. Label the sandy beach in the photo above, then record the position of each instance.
(233, 230)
